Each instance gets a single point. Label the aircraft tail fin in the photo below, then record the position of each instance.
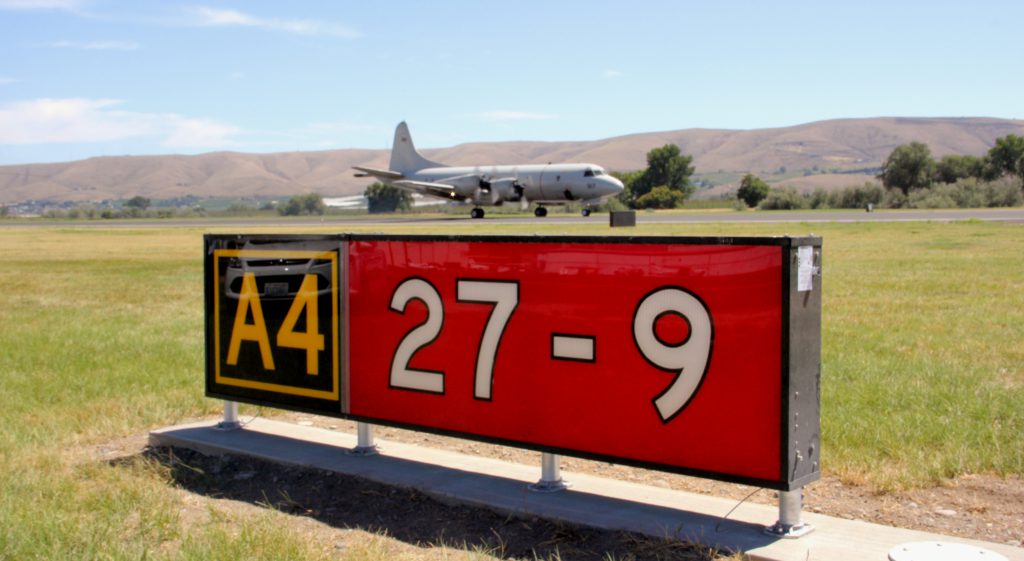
(404, 157)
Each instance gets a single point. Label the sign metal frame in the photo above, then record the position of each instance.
(799, 368)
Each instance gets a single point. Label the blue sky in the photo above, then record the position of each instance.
(83, 78)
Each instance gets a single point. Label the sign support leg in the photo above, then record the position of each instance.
(230, 420)
(365, 445)
(550, 475)
(789, 524)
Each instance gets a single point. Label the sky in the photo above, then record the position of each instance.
(85, 78)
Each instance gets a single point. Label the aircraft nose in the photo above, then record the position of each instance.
(613, 185)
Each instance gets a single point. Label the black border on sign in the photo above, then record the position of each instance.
(262, 397)
(787, 480)
(783, 241)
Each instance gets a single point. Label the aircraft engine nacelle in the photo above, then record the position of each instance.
(466, 186)
(507, 189)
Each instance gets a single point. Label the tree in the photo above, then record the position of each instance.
(138, 203)
(661, 196)
(752, 190)
(952, 168)
(1006, 153)
(386, 198)
(628, 178)
(312, 203)
(666, 166)
(908, 167)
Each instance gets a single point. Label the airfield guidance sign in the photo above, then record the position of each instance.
(692, 355)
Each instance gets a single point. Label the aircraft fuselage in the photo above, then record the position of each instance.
(540, 183)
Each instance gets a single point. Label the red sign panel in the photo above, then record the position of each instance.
(692, 355)
(669, 355)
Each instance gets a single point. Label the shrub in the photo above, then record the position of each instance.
(752, 190)
(894, 199)
(819, 199)
(931, 198)
(967, 193)
(661, 197)
(859, 196)
(784, 198)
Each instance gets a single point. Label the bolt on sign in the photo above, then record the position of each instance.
(698, 356)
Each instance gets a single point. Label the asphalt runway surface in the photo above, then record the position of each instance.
(764, 217)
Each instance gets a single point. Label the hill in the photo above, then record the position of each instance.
(825, 153)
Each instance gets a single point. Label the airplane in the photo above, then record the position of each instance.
(543, 184)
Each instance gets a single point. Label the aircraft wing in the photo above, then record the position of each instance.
(433, 189)
(381, 173)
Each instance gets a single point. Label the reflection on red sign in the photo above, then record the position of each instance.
(660, 354)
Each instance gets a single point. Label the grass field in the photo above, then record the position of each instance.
(101, 338)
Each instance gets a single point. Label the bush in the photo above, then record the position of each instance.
(857, 197)
(661, 197)
(819, 199)
(894, 199)
(931, 198)
(312, 203)
(784, 198)
(386, 198)
(612, 204)
(1004, 192)
(967, 193)
(752, 190)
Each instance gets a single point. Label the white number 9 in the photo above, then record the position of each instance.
(688, 359)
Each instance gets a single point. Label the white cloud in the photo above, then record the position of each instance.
(514, 116)
(4, 80)
(198, 133)
(65, 5)
(95, 45)
(43, 121)
(611, 73)
(215, 17)
(50, 121)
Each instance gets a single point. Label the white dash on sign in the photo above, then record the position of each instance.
(572, 347)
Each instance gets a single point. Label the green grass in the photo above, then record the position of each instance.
(101, 331)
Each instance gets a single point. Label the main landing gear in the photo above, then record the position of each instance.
(476, 213)
(586, 212)
(540, 212)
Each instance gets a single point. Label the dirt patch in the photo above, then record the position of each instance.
(982, 507)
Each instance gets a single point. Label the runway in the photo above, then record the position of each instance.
(1015, 215)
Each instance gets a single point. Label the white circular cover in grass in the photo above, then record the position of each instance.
(942, 551)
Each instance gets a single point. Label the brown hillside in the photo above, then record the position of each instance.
(845, 144)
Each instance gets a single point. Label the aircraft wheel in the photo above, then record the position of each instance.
(476, 213)
(540, 212)
(586, 212)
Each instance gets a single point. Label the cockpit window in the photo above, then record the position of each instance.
(592, 172)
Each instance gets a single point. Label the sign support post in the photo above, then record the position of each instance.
(789, 524)
(230, 421)
(550, 475)
(365, 445)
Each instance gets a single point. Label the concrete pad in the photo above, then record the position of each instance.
(591, 501)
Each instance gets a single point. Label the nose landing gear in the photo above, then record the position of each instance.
(476, 213)
(540, 212)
